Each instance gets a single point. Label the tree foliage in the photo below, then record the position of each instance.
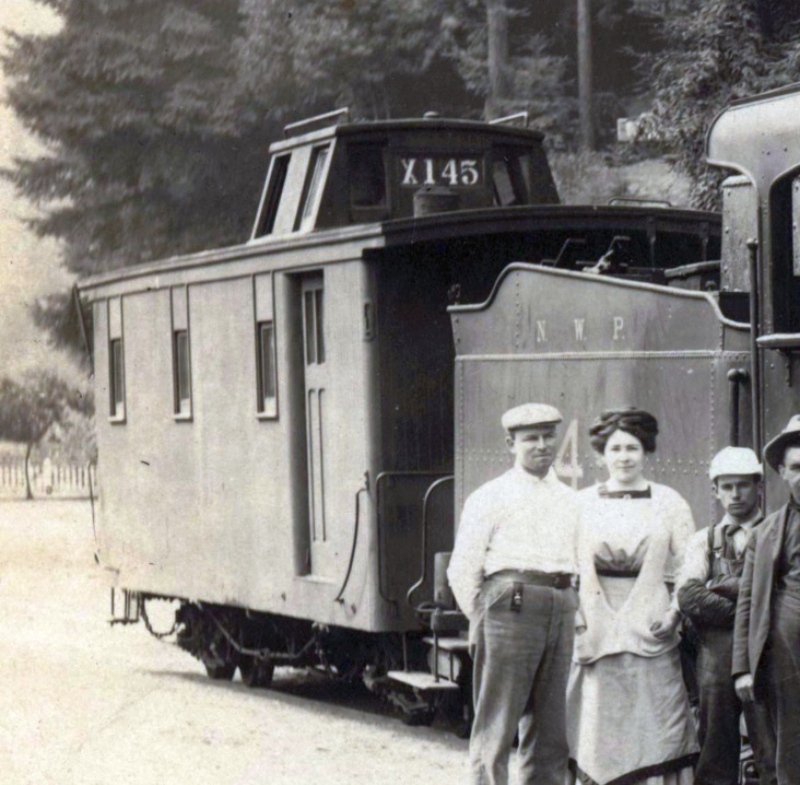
(533, 78)
(136, 101)
(67, 322)
(157, 113)
(380, 60)
(716, 52)
(36, 407)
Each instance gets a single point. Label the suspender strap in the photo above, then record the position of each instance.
(712, 554)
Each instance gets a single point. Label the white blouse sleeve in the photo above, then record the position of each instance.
(682, 528)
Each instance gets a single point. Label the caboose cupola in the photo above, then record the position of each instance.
(354, 173)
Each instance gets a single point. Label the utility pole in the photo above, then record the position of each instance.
(497, 34)
(585, 73)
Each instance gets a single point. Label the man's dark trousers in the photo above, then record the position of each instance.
(719, 709)
(782, 683)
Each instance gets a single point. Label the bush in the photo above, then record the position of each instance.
(593, 178)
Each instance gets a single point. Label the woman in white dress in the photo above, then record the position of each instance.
(627, 708)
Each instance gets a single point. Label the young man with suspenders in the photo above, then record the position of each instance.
(708, 588)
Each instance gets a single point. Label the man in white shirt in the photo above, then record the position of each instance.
(512, 573)
(707, 590)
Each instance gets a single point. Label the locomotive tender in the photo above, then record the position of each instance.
(688, 354)
(293, 423)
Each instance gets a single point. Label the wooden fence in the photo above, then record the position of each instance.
(48, 480)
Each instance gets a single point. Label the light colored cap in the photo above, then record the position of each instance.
(530, 414)
(790, 435)
(735, 460)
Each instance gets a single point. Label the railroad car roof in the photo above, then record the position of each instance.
(355, 186)
(758, 136)
(428, 123)
(438, 226)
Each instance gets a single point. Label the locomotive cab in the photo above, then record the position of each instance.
(757, 138)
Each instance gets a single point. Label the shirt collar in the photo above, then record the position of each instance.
(549, 479)
(730, 526)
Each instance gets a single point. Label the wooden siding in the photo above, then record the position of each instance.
(207, 508)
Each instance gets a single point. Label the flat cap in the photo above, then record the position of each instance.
(529, 414)
(735, 460)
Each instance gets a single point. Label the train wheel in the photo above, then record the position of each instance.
(256, 673)
(221, 671)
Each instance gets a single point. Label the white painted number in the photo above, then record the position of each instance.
(429, 178)
(432, 171)
(567, 463)
(469, 172)
(450, 173)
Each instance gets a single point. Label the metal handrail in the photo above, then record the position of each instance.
(339, 114)
(512, 119)
(378, 480)
(423, 575)
(736, 377)
(622, 200)
(755, 360)
(340, 596)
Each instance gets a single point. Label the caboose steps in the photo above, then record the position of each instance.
(449, 644)
(442, 678)
(422, 680)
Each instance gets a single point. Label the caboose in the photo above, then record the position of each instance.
(282, 434)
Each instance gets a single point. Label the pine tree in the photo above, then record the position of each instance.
(381, 60)
(504, 56)
(136, 102)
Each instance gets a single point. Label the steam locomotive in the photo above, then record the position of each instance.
(292, 424)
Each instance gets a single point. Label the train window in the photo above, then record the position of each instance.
(785, 208)
(308, 205)
(116, 384)
(511, 178)
(367, 176)
(267, 396)
(314, 321)
(183, 379)
(277, 180)
(503, 187)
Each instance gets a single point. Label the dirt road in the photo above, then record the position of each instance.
(86, 704)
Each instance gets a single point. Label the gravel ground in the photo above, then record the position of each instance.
(84, 703)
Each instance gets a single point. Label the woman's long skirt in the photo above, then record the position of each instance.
(628, 717)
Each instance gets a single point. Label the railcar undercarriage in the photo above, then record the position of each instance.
(225, 638)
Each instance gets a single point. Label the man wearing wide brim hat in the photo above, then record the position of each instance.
(707, 587)
(766, 649)
(512, 573)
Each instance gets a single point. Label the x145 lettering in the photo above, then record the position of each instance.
(440, 171)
